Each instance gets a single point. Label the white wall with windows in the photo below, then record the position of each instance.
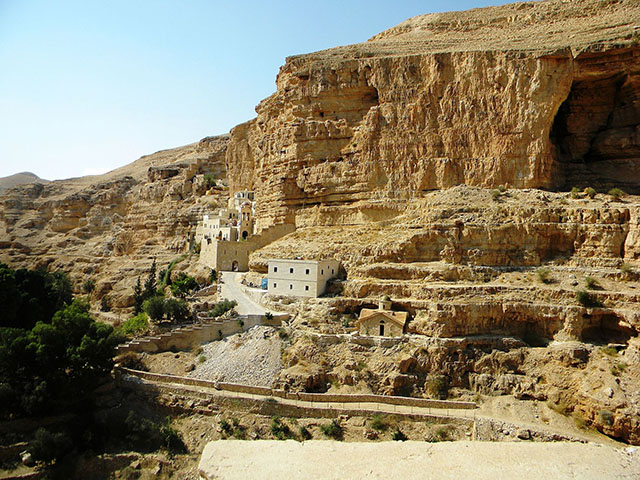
(300, 278)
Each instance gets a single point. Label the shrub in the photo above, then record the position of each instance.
(305, 434)
(587, 300)
(268, 316)
(332, 430)
(626, 269)
(213, 275)
(176, 310)
(616, 193)
(618, 368)
(135, 326)
(437, 386)
(209, 181)
(399, 436)
(591, 282)
(280, 430)
(183, 285)
(442, 434)
(226, 428)
(154, 307)
(282, 333)
(544, 275)
(495, 194)
(171, 439)
(88, 285)
(47, 446)
(222, 307)
(590, 192)
(609, 350)
(502, 188)
(575, 192)
(378, 423)
(104, 304)
(202, 359)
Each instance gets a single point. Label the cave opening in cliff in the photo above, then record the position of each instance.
(596, 134)
(607, 328)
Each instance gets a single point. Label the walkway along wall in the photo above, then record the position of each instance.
(183, 338)
(301, 396)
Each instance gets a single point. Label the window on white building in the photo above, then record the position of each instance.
(275, 285)
(306, 271)
(290, 286)
(275, 269)
(306, 288)
(291, 270)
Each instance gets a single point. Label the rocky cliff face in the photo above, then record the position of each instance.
(540, 94)
(110, 227)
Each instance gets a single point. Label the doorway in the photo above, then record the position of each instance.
(382, 328)
(234, 266)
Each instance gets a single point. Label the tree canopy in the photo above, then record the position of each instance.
(52, 354)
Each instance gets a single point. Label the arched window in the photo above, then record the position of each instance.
(382, 328)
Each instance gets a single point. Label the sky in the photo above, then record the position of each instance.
(88, 86)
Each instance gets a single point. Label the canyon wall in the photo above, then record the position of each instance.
(446, 99)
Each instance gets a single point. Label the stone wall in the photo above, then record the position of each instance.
(183, 338)
(305, 397)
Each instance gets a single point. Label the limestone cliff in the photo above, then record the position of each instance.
(539, 94)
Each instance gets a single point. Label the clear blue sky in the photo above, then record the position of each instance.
(88, 86)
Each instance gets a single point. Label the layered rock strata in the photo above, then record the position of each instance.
(539, 94)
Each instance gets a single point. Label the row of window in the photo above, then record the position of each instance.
(306, 271)
(306, 287)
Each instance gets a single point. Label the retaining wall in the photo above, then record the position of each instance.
(183, 338)
(270, 407)
(306, 397)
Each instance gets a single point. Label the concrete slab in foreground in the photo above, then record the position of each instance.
(262, 459)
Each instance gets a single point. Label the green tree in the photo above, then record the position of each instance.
(183, 285)
(154, 307)
(150, 284)
(138, 297)
(176, 310)
(55, 365)
(31, 296)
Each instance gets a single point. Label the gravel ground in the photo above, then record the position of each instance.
(251, 358)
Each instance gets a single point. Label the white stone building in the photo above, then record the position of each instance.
(300, 278)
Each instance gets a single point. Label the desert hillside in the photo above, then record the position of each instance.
(480, 168)
(19, 179)
(110, 227)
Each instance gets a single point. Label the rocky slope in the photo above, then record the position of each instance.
(110, 227)
(538, 94)
(19, 179)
